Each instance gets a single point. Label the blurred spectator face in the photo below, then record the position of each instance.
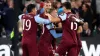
(79, 3)
(86, 1)
(85, 26)
(73, 4)
(10, 4)
(58, 5)
(84, 8)
(89, 4)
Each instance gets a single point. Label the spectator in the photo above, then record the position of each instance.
(57, 5)
(8, 18)
(87, 2)
(86, 31)
(76, 7)
(87, 15)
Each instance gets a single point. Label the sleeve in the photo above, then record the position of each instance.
(40, 20)
(54, 34)
(77, 20)
(50, 26)
(74, 18)
(20, 16)
(63, 17)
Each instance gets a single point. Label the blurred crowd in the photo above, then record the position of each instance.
(87, 10)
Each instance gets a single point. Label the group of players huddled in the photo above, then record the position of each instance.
(49, 16)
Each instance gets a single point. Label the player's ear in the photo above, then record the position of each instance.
(33, 10)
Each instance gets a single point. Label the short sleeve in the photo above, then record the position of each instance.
(20, 16)
(40, 20)
(63, 17)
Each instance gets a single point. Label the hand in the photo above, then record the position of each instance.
(47, 14)
(81, 22)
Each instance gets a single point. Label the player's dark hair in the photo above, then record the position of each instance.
(67, 5)
(30, 7)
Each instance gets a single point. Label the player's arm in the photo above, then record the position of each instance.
(73, 18)
(77, 20)
(57, 19)
(20, 28)
(80, 29)
(40, 20)
(20, 16)
(54, 34)
(53, 19)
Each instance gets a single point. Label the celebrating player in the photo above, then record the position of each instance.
(69, 42)
(47, 40)
(30, 21)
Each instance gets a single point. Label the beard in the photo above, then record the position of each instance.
(48, 10)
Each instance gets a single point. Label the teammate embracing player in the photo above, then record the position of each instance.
(70, 43)
(47, 41)
(30, 21)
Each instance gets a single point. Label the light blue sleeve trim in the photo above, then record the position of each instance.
(50, 26)
(63, 17)
(42, 10)
(40, 20)
(20, 16)
(55, 35)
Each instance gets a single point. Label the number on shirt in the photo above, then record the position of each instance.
(27, 24)
(72, 26)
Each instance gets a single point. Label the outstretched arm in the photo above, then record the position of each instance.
(57, 19)
(54, 34)
(72, 17)
(40, 20)
(53, 19)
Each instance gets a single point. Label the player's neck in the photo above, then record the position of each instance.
(67, 11)
(31, 13)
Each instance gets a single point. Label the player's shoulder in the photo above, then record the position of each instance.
(28, 16)
(70, 14)
(23, 15)
(42, 15)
